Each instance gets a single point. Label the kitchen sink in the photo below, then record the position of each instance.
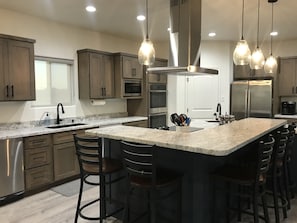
(213, 121)
(64, 125)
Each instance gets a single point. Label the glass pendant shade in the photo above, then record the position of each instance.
(146, 53)
(242, 53)
(257, 59)
(270, 66)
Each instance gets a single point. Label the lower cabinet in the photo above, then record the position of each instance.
(65, 160)
(143, 124)
(38, 159)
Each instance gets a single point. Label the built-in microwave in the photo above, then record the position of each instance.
(132, 88)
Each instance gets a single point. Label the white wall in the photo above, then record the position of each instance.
(214, 54)
(61, 41)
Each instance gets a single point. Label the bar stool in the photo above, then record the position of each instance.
(276, 174)
(250, 182)
(92, 163)
(140, 163)
(289, 183)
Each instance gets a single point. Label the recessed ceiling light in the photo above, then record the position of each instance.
(140, 17)
(91, 8)
(274, 33)
(212, 34)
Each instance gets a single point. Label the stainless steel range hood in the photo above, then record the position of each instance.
(185, 37)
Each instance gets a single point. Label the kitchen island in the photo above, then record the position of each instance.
(196, 154)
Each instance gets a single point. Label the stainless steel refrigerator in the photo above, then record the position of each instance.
(251, 98)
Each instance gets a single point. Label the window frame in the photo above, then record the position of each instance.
(72, 78)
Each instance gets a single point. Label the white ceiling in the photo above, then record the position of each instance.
(118, 17)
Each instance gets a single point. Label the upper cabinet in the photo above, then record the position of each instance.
(17, 77)
(287, 77)
(95, 74)
(128, 76)
(130, 66)
(245, 72)
(157, 77)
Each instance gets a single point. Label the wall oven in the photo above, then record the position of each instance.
(157, 120)
(157, 105)
(157, 98)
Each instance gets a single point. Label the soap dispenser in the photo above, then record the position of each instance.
(47, 119)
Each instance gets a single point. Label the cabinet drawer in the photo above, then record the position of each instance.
(38, 157)
(39, 176)
(37, 141)
(143, 124)
(63, 137)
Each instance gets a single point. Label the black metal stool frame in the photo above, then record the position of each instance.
(140, 162)
(92, 163)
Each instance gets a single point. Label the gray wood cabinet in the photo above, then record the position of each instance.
(38, 161)
(156, 77)
(245, 72)
(127, 69)
(287, 78)
(17, 75)
(95, 74)
(143, 124)
(131, 67)
(65, 160)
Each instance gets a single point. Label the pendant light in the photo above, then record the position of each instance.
(257, 58)
(270, 66)
(146, 53)
(242, 53)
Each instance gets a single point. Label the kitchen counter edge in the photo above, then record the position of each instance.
(42, 130)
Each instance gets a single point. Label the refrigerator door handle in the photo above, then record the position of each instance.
(248, 102)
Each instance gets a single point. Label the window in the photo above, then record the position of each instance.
(53, 81)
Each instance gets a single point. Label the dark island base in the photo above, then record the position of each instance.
(198, 204)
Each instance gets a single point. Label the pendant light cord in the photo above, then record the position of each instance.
(242, 19)
(258, 24)
(147, 17)
(271, 28)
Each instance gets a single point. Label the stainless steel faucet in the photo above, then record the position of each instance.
(58, 116)
(219, 109)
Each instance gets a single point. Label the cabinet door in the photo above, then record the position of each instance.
(21, 70)
(108, 72)
(101, 76)
(242, 71)
(65, 161)
(3, 69)
(287, 85)
(132, 68)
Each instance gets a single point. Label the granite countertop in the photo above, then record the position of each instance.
(217, 141)
(41, 130)
(285, 116)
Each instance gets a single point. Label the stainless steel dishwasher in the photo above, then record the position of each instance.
(11, 169)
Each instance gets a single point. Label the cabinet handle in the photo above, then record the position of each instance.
(7, 91)
(12, 92)
(133, 72)
(159, 77)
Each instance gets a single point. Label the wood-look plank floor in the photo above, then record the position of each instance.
(47, 207)
(51, 207)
